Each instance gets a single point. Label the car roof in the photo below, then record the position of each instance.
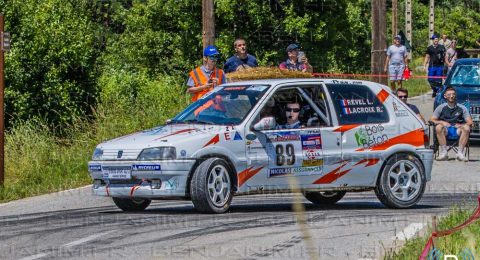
(277, 81)
(467, 61)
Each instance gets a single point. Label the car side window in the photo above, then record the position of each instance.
(357, 104)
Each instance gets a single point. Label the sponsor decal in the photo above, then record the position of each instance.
(237, 136)
(313, 162)
(183, 153)
(370, 135)
(287, 171)
(400, 111)
(359, 106)
(335, 81)
(95, 168)
(311, 141)
(234, 88)
(284, 136)
(146, 167)
(313, 154)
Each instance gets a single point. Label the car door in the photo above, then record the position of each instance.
(363, 123)
(298, 152)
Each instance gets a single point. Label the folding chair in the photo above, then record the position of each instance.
(452, 142)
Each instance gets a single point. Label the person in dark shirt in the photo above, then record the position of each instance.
(451, 119)
(241, 59)
(434, 63)
(402, 94)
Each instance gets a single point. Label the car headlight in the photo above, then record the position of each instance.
(97, 154)
(157, 153)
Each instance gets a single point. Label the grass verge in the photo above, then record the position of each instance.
(463, 242)
(38, 162)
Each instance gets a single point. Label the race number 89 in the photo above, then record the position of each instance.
(285, 155)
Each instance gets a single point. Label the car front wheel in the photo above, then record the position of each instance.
(211, 186)
(130, 205)
(402, 181)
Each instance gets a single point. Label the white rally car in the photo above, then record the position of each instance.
(353, 136)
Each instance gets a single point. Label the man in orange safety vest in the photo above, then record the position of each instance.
(204, 78)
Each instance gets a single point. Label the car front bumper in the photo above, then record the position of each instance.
(155, 179)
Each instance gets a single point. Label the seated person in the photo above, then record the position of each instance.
(451, 117)
(267, 117)
(292, 112)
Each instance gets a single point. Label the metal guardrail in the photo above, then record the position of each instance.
(473, 53)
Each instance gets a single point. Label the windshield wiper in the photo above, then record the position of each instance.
(198, 121)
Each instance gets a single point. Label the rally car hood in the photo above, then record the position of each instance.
(161, 136)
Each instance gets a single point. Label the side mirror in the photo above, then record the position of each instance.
(266, 123)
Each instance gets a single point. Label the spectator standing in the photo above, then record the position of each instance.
(433, 63)
(477, 42)
(296, 60)
(451, 55)
(204, 78)
(241, 59)
(445, 41)
(451, 117)
(402, 94)
(396, 61)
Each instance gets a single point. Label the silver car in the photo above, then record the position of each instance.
(238, 139)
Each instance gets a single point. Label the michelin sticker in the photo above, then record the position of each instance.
(146, 167)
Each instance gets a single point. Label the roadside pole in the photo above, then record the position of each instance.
(208, 23)
(379, 43)
(2, 119)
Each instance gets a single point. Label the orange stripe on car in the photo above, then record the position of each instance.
(414, 138)
(246, 174)
(369, 162)
(382, 95)
(333, 175)
(345, 128)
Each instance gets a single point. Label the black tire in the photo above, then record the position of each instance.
(131, 205)
(217, 197)
(324, 198)
(401, 188)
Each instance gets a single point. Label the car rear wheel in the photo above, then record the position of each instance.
(130, 205)
(324, 198)
(211, 186)
(402, 181)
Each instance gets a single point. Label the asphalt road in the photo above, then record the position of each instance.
(74, 224)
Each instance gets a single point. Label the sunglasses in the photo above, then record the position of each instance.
(402, 97)
(450, 95)
(296, 110)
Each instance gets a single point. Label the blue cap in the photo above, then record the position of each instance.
(397, 37)
(210, 50)
(292, 47)
(433, 36)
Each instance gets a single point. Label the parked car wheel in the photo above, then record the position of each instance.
(211, 186)
(130, 205)
(402, 181)
(324, 198)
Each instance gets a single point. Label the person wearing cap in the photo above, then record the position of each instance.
(296, 60)
(241, 59)
(433, 63)
(396, 60)
(204, 78)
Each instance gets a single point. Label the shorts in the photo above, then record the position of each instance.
(452, 132)
(396, 71)
(435, 72)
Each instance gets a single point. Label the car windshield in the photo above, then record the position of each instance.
(466, 75)
(224, 105)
